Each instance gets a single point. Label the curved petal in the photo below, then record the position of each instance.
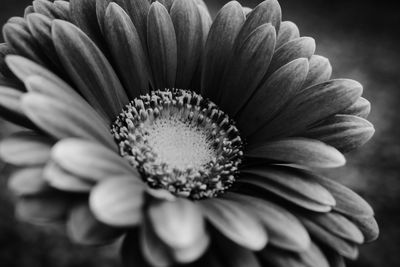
(268, 11)
(118, 201)
(188, 29)
(65, 181)
(338, 225)
(284, 229)
(320, 71)
(302, 151)
(43, 7)
(235, 222)
(88, 68)
(62, 10)
(127, 51)
(311, 106)
(368, 226)
(63, 119)
(180, 225)
(162, 46)
(247, 67)
(361, 108)
(83, 15)
(219, 46)
(138, 10)
(341, 246)
(272, 95)
(28, 181)
(10, 107)
(344, 132)
(287, 32)
(26, 149)
(91, 161)
(303, 47)
(292, 180)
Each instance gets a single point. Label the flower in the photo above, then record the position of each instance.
(198, 141)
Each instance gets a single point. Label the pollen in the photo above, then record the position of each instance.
(180, 142)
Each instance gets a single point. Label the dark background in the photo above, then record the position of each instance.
(360, 37)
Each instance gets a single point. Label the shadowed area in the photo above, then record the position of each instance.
(360, 39)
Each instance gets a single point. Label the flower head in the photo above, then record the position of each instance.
(198, 141)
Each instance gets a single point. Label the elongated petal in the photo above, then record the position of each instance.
(83, 228)
(26, 149)
(297, 48)
(320, 71)
(43, 7)
(162, 46)
(283, 192)
(300, 151)
(293, 180)
(91, 161)
(180, 225)
(5, 50)
(287, 32)
(310, 106)
(118, 201)
(127, 51)
(65, 181)
(236, 223)
(64, 119)
(341, 246)
(361, 108)
(345, 132)
(247, 68)
(347, 201)
(42, 208)
(219, 46)
(83, 15)
(28, 181)
(339, 226)
(284, 229)
(18, 38)
(272, 95)
(40, 28)
(10, 107)
(368, 226)
(28, 10)
(188, 29)
(268, 11)
(206, 22)
(138, 10)
(62, 10)
(88, 68)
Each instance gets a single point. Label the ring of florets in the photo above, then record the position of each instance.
(180, 142)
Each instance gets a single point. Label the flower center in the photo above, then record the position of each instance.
(180, 142)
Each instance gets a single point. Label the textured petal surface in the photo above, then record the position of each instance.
(248, 65)
(162, 46)
(236, 223)
(302, 151)
(310, 106)
(219, 46)
(88, 68)
(287, 32)
(272, 96)
(345, 132)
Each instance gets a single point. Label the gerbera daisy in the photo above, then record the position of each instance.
(196, 141)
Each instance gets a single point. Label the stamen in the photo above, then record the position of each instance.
(180, 142)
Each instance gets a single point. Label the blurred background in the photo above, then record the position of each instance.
(360, 37)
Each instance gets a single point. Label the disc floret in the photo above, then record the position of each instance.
(181, 142)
